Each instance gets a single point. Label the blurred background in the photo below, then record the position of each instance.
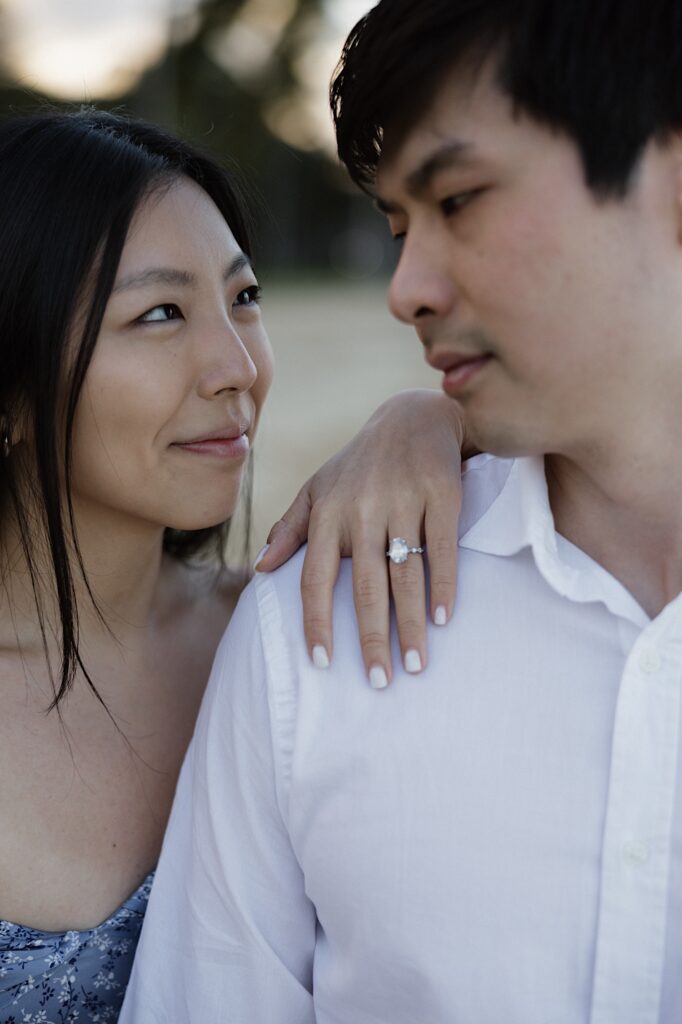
(248, 80)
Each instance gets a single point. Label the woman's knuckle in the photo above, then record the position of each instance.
(313, 578)
(406, 580)
(441, 580)
(443, 547)
(372, 641)
(367, 591)
(314, 623)
(410, 626)
(322, 514)
(365, 514)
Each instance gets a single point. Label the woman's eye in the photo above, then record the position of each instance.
(160, 314)
(248, 296)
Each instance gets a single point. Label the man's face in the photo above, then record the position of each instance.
(550, 312)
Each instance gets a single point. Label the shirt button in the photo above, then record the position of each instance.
(650, 661)
(635, 853)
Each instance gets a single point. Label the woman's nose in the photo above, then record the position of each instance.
(228, 365)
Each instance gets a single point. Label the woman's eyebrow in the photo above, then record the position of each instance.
(154, 275)
(238, 264)
(171, 275)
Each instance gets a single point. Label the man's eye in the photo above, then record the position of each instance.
(248, 296)
(159, 314)
(452, 204)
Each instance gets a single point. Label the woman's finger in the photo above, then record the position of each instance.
(371, 595)
(409, 593)
(318, 577)
(440, 531)
(288, 533)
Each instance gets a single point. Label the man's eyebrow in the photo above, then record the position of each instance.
(171, 275)
(453, 153)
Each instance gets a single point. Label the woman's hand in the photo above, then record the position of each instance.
(399, 477)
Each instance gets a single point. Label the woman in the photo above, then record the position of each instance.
(133, 368)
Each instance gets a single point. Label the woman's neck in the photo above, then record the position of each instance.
(122, 560)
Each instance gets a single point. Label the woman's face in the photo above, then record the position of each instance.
(171, 399)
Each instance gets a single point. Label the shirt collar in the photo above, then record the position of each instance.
(520, 518)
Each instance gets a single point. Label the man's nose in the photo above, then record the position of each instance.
(421, 285)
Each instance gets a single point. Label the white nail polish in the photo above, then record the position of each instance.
(413, 662)
(378, 679)
(320, 657)
(261, 554)
(440, 616)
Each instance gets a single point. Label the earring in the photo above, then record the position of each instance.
(5, 438)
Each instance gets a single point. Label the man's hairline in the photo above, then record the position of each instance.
(470, 65)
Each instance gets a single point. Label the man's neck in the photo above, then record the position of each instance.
(624, 509)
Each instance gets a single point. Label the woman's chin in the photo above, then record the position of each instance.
(201, 518)
(192, 524)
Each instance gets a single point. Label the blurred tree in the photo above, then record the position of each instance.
(221, 83)
(230, 80)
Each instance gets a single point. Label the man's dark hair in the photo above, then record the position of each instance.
(607, 73)
(70, 185)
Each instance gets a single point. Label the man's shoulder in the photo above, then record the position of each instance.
(483, 480)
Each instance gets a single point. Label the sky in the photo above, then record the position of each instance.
(95, 49)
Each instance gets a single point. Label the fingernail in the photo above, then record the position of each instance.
(440, 616)
(378, 679)
(413, 662)
(260, 555)
(320, 657)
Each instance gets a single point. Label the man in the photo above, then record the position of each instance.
(500, 841)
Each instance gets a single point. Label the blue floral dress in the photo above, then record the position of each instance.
(70, 977)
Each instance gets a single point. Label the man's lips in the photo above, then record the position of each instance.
(458, 369)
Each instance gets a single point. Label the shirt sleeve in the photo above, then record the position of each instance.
(229, 933)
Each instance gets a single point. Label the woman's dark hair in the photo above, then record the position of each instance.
(607, 73)
(70, 184)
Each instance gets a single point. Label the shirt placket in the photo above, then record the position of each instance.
(637, 837)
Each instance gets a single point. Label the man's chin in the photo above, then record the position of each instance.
(505, 440)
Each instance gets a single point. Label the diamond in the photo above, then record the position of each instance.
(398, 550)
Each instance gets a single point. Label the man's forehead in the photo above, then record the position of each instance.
(453, 129)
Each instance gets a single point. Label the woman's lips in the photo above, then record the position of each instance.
(218, 447)
(457, 377)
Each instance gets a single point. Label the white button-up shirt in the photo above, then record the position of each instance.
(496, 841)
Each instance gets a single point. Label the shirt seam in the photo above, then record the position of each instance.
(281, 692)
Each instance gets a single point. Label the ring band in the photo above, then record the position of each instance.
(399, 549)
